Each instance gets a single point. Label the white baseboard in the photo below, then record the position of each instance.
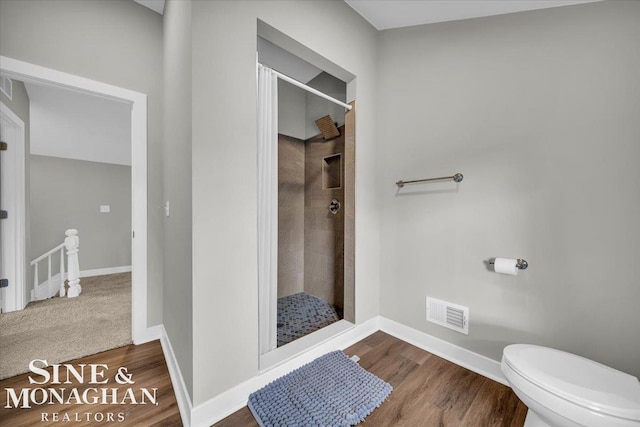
(150, 334)
(105, 271)
(460, 356)
(226, 403)
(179, 386)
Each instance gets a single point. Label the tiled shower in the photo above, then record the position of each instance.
(310, 237)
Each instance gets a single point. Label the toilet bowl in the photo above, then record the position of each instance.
(564, 390)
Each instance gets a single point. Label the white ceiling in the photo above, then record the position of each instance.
(385, 14)
(155, 5)
(73, 125)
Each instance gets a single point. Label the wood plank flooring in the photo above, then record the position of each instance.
(147, 367)
(428, 391)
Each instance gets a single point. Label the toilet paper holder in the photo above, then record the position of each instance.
(521, 264)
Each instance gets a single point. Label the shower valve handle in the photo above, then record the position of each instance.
(334, 206)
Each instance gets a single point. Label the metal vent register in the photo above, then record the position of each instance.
(449, 315)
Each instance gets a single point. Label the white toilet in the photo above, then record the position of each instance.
(564, 390)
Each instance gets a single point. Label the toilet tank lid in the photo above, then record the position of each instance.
(579, 380)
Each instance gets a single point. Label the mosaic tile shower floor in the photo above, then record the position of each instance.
(300, 314)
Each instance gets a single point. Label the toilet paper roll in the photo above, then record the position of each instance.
(505, 266)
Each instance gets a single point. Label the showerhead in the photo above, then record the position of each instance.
(327, 127)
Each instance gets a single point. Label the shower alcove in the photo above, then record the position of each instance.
(312, 298)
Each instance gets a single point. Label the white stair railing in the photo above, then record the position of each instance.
(72, 244)
(48, 289)
(38, 292)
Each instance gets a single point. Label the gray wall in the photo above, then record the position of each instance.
(67, 193)
(224, 172)
(116, 42)
(19, 104)
(177, 260)
(291, 110)
(317, 107)
(298, 109)
(539, 110)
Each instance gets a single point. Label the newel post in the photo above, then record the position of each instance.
(72, 243)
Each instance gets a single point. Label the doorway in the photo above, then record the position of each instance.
(311, 221)
(31, 73)
(12, 203)
(306, 198)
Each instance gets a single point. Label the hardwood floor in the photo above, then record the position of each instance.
(144, 363)
(428, 391)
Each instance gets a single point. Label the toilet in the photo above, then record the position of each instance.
(564, 390)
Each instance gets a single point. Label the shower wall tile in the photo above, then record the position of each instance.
(324, 232)
(311, 248)
(349, 185)
(291, 177)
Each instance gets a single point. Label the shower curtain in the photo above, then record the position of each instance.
(267, 207)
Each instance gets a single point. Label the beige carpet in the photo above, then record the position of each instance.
(63, 329)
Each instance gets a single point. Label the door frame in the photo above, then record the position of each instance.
(13, 298)
(31, 73)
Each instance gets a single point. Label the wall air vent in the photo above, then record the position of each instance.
(449, 315)
(6, 86)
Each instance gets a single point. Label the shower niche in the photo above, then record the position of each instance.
(316, 212)
(332, 172)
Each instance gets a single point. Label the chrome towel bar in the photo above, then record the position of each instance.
(457, 178)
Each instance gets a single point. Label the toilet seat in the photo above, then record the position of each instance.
(581, 381)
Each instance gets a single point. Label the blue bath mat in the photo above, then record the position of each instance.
(331, 391)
